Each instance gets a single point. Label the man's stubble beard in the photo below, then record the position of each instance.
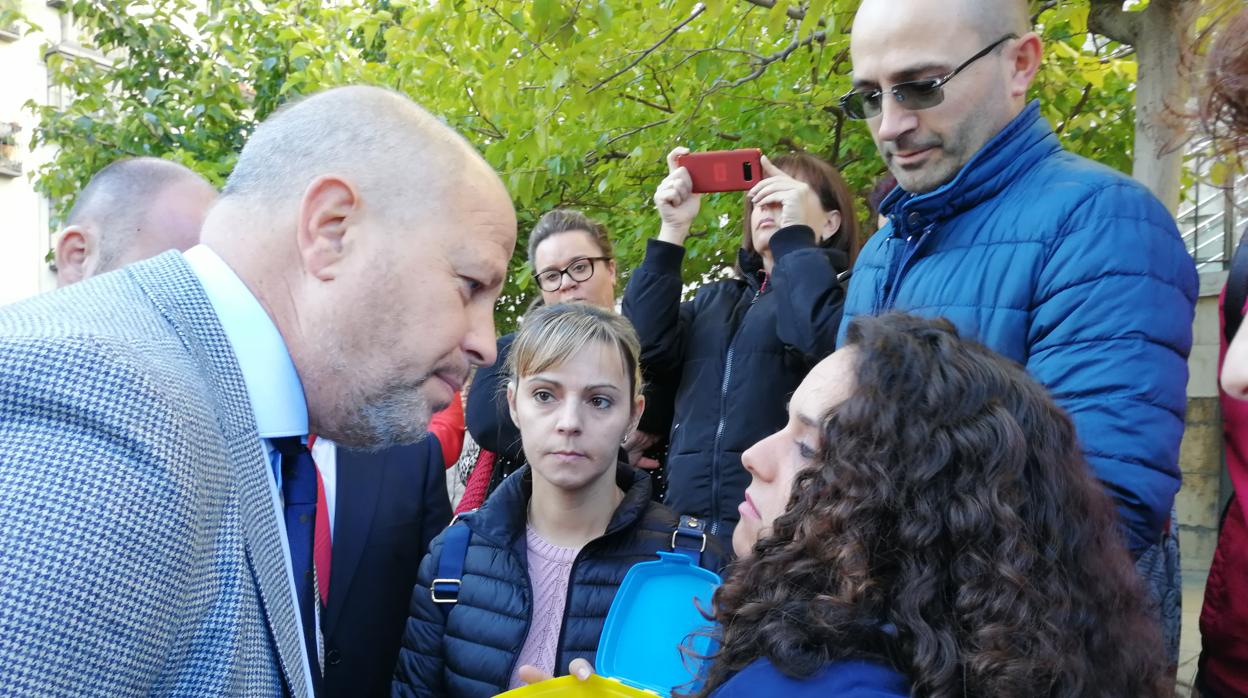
(392, 414)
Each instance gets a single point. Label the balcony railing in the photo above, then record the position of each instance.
(1211, 222)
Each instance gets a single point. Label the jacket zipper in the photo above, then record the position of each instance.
(719, 428)
(528, 622)
(563, 622)
(908, 254)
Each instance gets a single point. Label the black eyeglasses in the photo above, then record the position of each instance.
(913, 95)
(581, 269)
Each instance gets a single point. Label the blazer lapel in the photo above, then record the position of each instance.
(359, 479)
(175, 290)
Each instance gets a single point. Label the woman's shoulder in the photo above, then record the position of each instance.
(854, 678)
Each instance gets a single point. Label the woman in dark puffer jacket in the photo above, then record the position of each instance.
(550, 547)
(742, 345)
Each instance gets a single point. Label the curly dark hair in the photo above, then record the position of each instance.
(1224, 102)
(950, 528)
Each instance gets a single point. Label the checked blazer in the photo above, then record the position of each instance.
(140, 551)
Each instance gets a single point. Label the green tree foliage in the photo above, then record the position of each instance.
(575, 102)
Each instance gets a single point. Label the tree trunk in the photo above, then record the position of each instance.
(1157, 35)
(1160, 98)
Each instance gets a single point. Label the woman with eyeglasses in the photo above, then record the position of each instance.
(571, 257)
(738, 350)
(925, 524)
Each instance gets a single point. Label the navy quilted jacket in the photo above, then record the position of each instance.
(1071, 269)
(740, 349)
(472, 652)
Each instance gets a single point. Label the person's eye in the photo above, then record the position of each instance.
(805, 451)
(547, 278)
(872, 99)
(922, 87)
(472, 286)
(543, 396)
(579, 267)
(601, 402)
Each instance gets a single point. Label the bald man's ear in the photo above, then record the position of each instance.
(73, 247)
(330, 206)
(1028, 52)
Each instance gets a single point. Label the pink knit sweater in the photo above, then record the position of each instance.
(550, 568)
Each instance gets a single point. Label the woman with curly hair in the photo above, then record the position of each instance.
(925, 524)
(1223, 670)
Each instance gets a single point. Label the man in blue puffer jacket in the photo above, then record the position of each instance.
(1064, 265)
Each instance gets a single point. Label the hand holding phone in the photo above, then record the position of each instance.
(723, 170)
(675, 201)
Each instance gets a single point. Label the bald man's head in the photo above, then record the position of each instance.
(378, 240)
(910, 41)
(379, 139)
(132, 209)
(992, 19)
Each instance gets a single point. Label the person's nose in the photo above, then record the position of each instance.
(566, 282)
(757, 459)
(480, 342)
(894, 119)
(569, 418)
(1235, 367)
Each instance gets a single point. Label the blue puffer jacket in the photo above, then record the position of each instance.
(851, 678)
(472, 652)
(1071, 269)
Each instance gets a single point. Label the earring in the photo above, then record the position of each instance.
(625, 439)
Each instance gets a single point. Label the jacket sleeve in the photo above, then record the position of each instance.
(448, 426)
(420, 673)
(810, 296)
(1110, 332)
(98, 476)
(487, 416)
(652, 303)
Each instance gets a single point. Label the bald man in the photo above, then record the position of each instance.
(158, 499)
(132, 209)
(1066, 266)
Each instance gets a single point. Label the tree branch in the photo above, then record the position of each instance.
(498, 133)
(761, 66)
(697, 10)
(652, 105)
(797, 13)
(1044, 7)
(536, 46)
(1083, 101)
(1107, 18)
(594, 157)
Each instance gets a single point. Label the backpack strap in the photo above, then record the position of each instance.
(445, 588)
(1236, 289)
(689, 538)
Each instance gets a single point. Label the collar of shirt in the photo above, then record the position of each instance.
(273, 386)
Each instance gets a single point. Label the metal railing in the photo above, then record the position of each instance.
(1210, 222)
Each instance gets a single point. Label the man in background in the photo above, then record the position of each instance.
(132, 209)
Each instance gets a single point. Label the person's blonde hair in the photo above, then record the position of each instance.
(552, 334)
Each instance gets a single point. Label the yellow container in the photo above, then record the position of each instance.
(572, 687)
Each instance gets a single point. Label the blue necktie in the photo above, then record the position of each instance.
(299, 497)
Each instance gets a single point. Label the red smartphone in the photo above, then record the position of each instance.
(723, 170)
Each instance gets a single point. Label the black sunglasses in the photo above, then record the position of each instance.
(913, 95)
